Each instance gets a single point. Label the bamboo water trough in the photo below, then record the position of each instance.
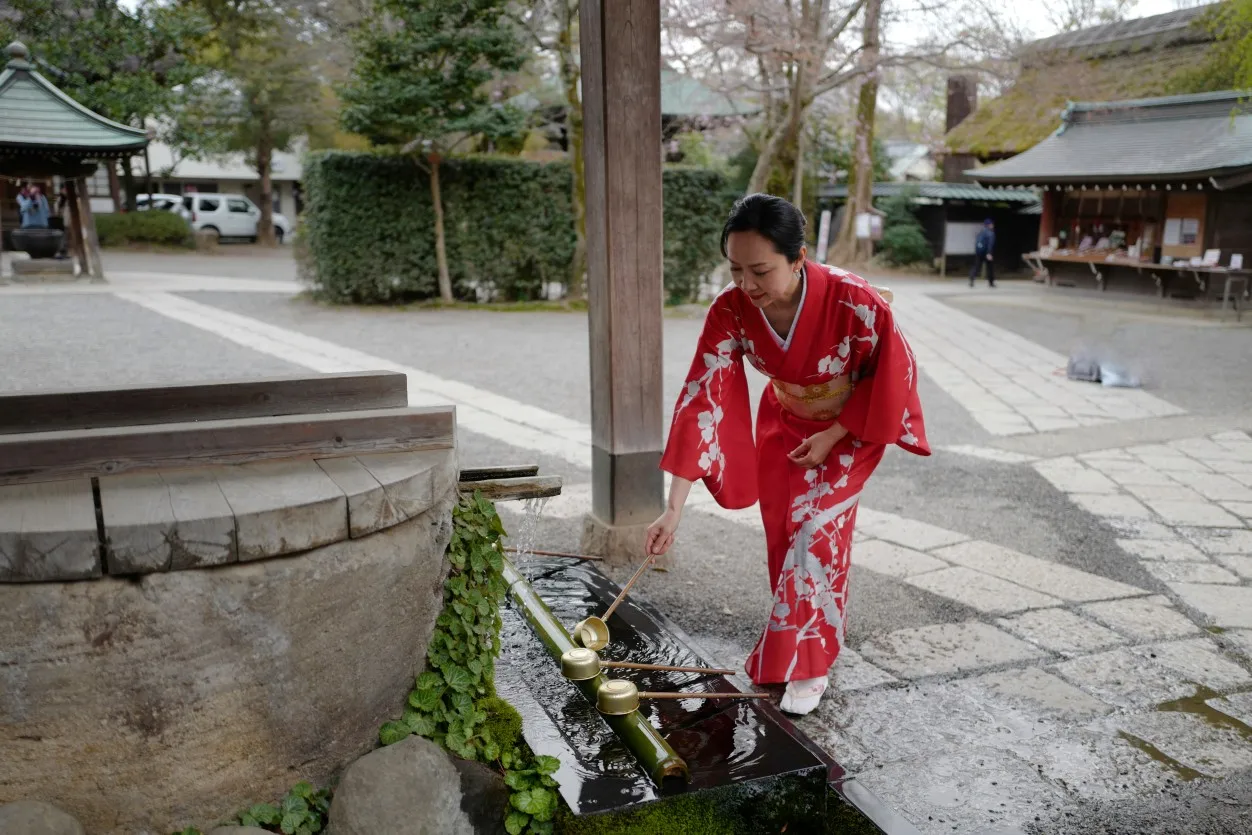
(644, 741)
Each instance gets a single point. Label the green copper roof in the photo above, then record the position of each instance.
(940, 191)
(36, 116)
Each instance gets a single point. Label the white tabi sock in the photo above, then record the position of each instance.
(803, 696)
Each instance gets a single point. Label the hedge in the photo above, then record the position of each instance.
(368, 227)
(148, 227)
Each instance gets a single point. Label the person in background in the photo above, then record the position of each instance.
(33, 207)
(984, 246)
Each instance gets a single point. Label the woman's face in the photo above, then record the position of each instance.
(760, 271)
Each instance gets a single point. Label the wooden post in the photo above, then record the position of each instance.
(3, 196)
(620, 43)
(75, 226)
(92, 264)
(1047, 219)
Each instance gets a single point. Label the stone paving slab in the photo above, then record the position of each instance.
(1191, 741)
(1197, 660)
(980, 591)
(1238, 706)
(1062, 632)
(1041, 575)
(1122, 678)
(1227, 606)
(1038, 692)
(907, 532)
(946, 648)
(1240, 565)
(1190, 572)
(1220, 540)
(1162, 549)
(893, 560)
(1145, 618)
(852, 672)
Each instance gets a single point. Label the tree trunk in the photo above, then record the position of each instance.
(128, 180)
(441, 253)
(797, 197)
(264, 166)
(115, 186)
(848, 249)
(570, 74)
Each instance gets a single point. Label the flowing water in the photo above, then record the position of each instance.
(723, 741)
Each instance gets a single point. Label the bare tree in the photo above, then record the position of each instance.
(785, 53)
(1071, 15)
(848, 248)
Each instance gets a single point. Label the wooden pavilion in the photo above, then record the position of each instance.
(46, 137)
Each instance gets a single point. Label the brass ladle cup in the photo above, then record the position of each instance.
(582, 664)
(617, 697)
(593, 632)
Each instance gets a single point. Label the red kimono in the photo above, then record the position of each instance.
(845, 357)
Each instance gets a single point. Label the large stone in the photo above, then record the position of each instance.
(33, 817)
(484, 796)
(190, 694)
(409, 788)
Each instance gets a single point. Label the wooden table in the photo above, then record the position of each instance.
(1201, 274)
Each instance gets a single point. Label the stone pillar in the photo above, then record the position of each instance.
(620, 44)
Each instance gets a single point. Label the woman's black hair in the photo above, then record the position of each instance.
(774, 218)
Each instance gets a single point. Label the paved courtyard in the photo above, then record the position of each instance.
(1051, 618)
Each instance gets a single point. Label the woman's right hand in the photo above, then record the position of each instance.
(661, 533)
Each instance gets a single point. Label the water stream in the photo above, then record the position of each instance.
(723, 742)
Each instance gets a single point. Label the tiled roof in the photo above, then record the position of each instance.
(942, 191)
(1174, 137)
(34, 114)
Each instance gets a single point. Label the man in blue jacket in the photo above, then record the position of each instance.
(984, 246)
(33, 207)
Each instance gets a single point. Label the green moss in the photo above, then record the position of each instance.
(794, 803)
(503, 721)
(1030, 110)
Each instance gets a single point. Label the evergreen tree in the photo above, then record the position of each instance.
(419, 82)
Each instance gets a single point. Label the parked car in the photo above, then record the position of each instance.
(163, 203)
(231, 216)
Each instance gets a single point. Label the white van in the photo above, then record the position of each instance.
(231, 216)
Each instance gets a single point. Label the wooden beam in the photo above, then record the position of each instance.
(231, 399)
(74, 229)
(620, 45)
(50, 456)
(512, 489)
(503, 471)
(92, 265)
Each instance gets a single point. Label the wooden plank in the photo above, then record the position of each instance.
(48, 411)
(48, 456)
(48, 532)
(368, 507)
(512, 489)
(507, 471)
(283, 507)
(165, 521)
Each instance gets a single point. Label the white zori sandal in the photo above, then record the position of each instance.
(803, 696)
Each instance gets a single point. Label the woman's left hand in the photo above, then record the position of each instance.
(813, 450)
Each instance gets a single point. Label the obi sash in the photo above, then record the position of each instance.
(821, 401)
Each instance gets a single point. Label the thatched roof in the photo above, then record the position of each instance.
(1135, 59)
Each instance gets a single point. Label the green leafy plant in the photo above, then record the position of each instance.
(365, 231)
(454, 702)
(303, 811)
(150, 227)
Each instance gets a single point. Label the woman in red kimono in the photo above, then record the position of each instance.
(843, 388)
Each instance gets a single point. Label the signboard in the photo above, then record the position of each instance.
(959, 238)
(869, 225)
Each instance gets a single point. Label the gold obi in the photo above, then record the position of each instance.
(821, 401)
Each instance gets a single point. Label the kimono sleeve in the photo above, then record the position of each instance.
(884, 408)
(710, 438)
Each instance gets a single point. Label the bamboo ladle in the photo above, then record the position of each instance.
(593, 632)
(617, 697)
(581, 664)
